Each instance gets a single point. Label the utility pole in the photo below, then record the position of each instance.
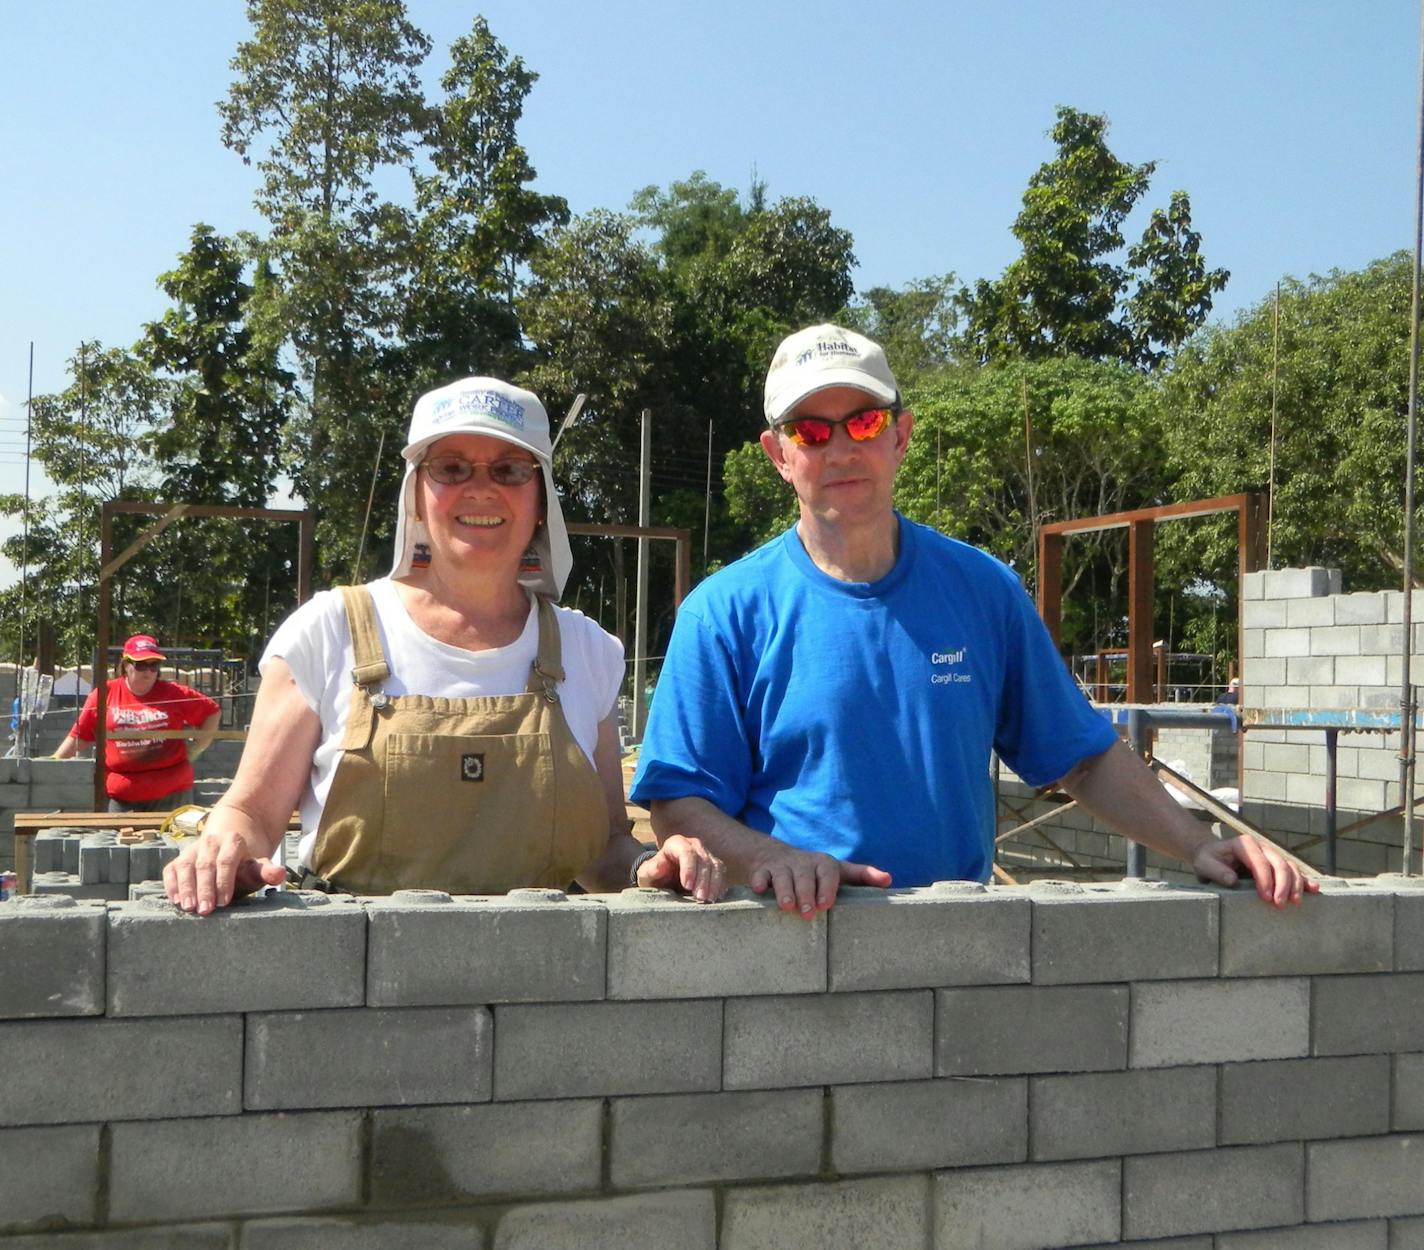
(640, 623)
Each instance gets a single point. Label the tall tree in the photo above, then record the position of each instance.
(1071, 292)
(325, 96)
(1341, 405)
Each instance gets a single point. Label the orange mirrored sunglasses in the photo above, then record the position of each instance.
(862, 426)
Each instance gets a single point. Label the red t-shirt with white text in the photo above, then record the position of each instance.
(144, 769)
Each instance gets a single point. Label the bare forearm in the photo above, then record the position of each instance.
(737, 845)
(1121, 792)
(67, 749)
(203, 739)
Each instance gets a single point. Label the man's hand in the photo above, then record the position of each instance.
(806, 881)
(209, 873)
(685, 864)
(1280, 877)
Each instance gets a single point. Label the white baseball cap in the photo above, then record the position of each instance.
(499, 410)
(820, 357)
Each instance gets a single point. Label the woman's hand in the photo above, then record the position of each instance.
(215, 869)
(685, 864)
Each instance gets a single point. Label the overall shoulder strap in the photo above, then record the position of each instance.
(548, 668)
(369, 667)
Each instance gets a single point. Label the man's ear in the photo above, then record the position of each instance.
(904, 423)
(771, 444)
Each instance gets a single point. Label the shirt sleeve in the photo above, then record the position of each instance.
(196, 706)
(1046, 725)
(88, 718)
(696, 744)
(311, 641)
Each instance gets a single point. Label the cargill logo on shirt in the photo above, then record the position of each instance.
(948, 667)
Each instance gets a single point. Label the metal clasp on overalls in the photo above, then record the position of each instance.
(550, 684)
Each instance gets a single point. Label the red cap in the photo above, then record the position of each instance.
(143, 647)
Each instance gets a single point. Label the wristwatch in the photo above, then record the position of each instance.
(638, 861)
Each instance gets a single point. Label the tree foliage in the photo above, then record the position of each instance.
(1341, 412)
(1070, 293)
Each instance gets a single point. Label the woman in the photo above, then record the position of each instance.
(446, 727)
(145, 774)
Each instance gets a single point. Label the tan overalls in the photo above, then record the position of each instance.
(470, 796)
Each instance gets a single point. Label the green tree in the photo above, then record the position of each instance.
(1341, 411)
(1070, 293)
(915, 325)
(325, 96)
(982, 468)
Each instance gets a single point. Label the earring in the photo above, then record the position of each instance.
(420, 556)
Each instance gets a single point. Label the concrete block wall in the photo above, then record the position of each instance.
(1305, 644)
(936, 1069)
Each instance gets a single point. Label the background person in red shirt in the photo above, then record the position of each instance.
(146, 774)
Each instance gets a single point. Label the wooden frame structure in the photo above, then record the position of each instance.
(1140, 524)
(167, 513)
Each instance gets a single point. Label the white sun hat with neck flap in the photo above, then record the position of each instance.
(498, 410)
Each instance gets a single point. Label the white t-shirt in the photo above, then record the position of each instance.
(316, 645)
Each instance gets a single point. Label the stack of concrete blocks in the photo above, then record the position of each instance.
(1307, 645)
(94, 864)
(933, 1069)
(34, 785)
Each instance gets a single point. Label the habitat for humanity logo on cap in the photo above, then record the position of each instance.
(821, 357)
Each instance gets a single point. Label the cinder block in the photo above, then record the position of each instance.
(549, 947)
(1407, 1114)
(1208, 1191)
(696, 1139)
(668, 1221)
(1263, 614)
(1408, 921)
(1362, 670)
(1286, 757)
(828, 1039)
(1089, 1115)
(1219, 1021)
(889, 1213)
(1341, 929)
(1296, 1099)
(434, 1156)
(1353, 794)
(1306, 612)
(1367, 1015)
(168, 1237)
(1364, 1178)
(1361, 608)
(1283, 643)
(249, 1165)
(52, 950)
(350, 1232)
(62, 1071)
(1125, 932)
(1171, 1243)
(1336, 640)
(663, 946)
(1275, 670)
(577, 1050)
(1263, 785)
(367, 1056)
(1027, 1207)
(1029, 1028)
(913, 1126)
(1253, 647)
(1305, 789)
(1303, 583)
(1368, 1235)
(60, 797)
(1381, 639)
(1407, 1234)
(1253, 585)
(1280, 696)
(289, 951)
(954, 934)
(51, 1176)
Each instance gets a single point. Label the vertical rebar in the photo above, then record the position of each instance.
(1406, 693)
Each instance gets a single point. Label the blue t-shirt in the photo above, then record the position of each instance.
(858, 718)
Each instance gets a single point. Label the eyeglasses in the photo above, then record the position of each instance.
(862, 426)
(146, 666)
(452, 470)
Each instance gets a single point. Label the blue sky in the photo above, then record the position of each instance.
(1292, 125)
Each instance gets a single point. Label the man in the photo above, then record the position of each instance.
(828, 704)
